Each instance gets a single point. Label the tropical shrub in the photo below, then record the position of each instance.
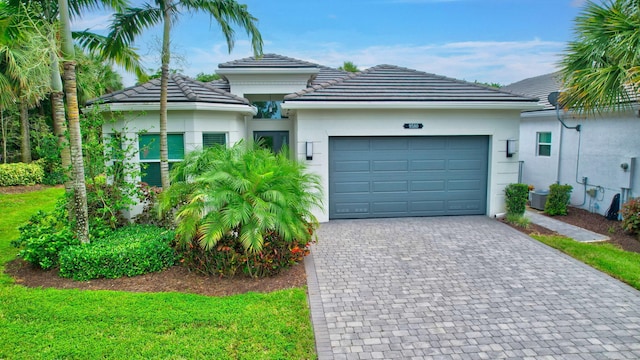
(149, 215)
(20, 174)
(128, 251)
(516, 197)
(44, 237)
(558, 199)
(245, 195)
(631, 216)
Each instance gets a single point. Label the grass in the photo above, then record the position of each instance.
(620, 264)
(74, 324)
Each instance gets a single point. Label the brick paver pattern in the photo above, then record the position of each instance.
(461, 288)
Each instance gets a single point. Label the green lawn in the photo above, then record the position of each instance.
(620, 264)
(53, 324)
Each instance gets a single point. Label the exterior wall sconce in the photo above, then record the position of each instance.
(309, 150)
(511, 148)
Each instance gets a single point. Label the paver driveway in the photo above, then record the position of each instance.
(461, 288)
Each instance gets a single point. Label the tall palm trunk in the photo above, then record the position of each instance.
(60, 124)
(75, 138)
(164, 85)
(4, 136)
(25, 143)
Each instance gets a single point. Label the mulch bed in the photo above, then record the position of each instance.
(593, 222)
(174, 279)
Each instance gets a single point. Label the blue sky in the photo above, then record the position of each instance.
(485, 40)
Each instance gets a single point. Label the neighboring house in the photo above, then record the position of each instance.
(386, 142)
(599, 161)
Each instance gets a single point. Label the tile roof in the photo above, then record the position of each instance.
(181, 89)
(538, 86)
(275, 61)
(393, 83)
(268, 61)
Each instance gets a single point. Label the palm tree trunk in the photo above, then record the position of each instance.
(4, 137)
(25, 144)
(164, 84)
(75, 142)
(75, 138)
(60, 130)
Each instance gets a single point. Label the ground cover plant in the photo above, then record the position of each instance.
(74, 324)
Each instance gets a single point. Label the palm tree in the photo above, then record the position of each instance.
(48, 12)
(23, 76)
(75, 139)
(133, 21)
(601, 67)
(349, 66)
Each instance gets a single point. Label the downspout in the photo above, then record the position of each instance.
(553, 100)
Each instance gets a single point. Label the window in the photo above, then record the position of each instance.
(544, 144)
(211, 139)
(268, 109)
(273, 140)
(149, 145)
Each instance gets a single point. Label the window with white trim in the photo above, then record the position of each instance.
(543, 144)
(149, 150)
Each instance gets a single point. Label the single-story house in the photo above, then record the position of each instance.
(599, 160)
(386, 142)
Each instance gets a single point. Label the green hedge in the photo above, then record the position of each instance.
(129, 251)
(516, 196)
(20, 174)
(558, 199)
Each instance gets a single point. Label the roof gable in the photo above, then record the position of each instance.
(180, 89)
(385, 83)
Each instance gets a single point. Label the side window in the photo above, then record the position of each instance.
(544, 144)
(211, 139)
(149, 147)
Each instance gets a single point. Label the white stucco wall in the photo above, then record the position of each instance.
(605, 143)
(317, 125)
(191, 123)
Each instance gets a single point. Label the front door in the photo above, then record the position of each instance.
(273, 140)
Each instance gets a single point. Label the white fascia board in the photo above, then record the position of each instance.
(472, 105)
(264, 70)
(151, 106)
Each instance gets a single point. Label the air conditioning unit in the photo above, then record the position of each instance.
(538, 199)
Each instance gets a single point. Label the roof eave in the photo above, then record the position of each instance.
(465, 105)
(150, 106)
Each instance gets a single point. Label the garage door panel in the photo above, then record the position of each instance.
(361, 187)
(407, 176)
(463, 185)
(388, 207)
(390, 165)
(471, 164)
(352, 166)
(433, 185)
(390, 186)
(390, 144)
(433, 144)
(428, 206)
(465, 207)
(420, 165)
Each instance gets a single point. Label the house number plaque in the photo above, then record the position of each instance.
(413, 126)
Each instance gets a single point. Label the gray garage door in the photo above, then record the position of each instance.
(407, 176)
